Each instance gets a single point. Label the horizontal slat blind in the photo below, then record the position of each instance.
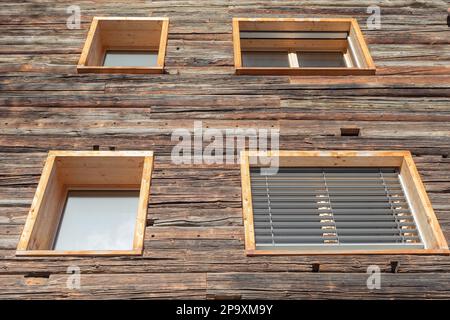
(332, 207)
(292, 35)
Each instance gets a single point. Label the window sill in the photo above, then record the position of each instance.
(129, 70)
(444, 252)
(304, 71)
(43, 253)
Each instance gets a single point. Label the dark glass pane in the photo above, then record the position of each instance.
(274, 59)
(320, 59)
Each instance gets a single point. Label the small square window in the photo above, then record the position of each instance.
(125, 45)
(303, 47)
(337, 202)
(89, 203)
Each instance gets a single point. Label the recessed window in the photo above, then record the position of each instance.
(338, 202)
(89, 203)
(300, 47)
(125, 45)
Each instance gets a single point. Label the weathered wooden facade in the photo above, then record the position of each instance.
(194, 240)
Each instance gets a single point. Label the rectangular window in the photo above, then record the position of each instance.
(125, 45)
(338, 202)
(304, 47)
(89, 203)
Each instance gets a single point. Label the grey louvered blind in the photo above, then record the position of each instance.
(332, 207)
(293, 35)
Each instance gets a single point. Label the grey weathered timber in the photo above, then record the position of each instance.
(194, 240)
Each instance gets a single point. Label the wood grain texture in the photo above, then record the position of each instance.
(332, 286)
(194, 239)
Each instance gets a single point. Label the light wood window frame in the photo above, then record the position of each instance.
(124, 33)
(432, 236)
(355, 43)
(84, 170)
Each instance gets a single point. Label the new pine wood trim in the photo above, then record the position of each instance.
(85, 253)
(432, 236)
(362, 42)
(237, 44)
(49, 173)
(163, 42)
(90, 48)
(247, 207)
(131, 18)
(443, 252)
(68, 153)
(303, 71)
(431, 229)
(88, 43)
(316, 24)
(130, 70)
(141, 221)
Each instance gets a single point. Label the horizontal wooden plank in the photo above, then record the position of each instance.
(194, 244)
(326, 286)
(107, 286)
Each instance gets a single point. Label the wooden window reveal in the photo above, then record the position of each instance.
(338, 202)
(300, 47)
(113, 186)
(125, 45)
